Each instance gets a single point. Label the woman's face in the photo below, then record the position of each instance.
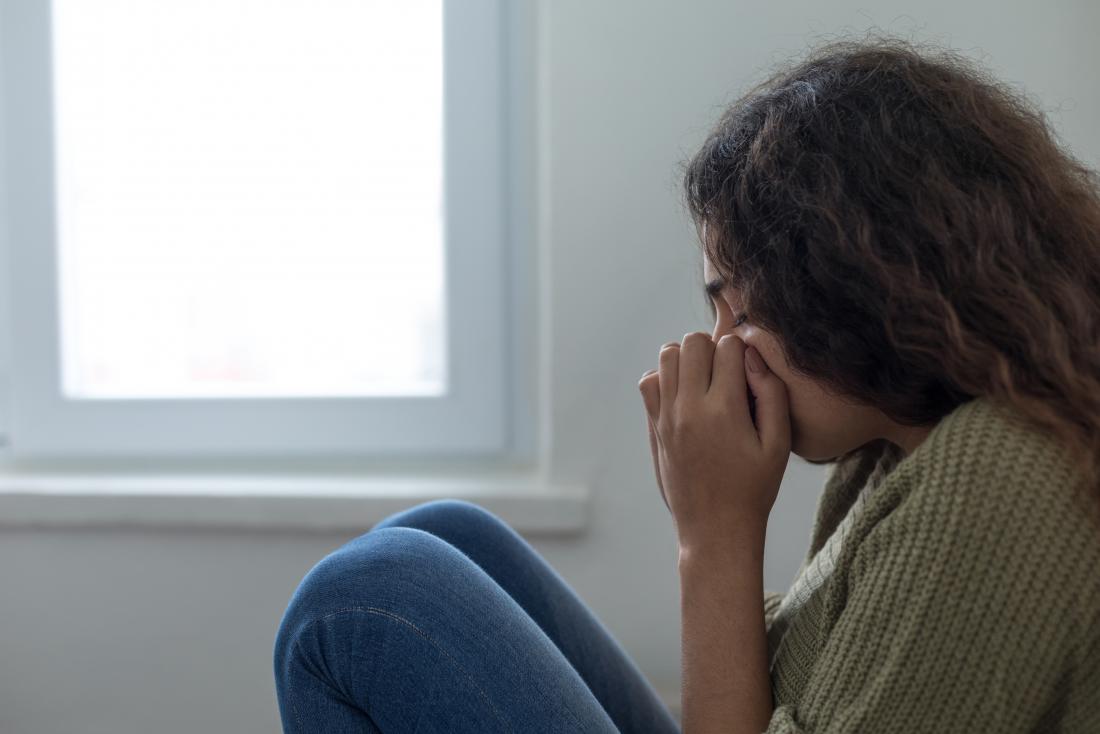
(823, 425)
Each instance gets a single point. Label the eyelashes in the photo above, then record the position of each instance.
(740, 320)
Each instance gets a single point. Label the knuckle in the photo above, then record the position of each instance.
(730, 340)
(679, 422)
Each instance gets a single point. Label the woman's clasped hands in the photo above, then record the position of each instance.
(717, 471)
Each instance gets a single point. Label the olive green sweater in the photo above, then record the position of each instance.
(965, 596)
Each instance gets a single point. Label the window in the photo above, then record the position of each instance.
(253, 229)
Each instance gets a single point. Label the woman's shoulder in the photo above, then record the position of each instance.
(969, 562)
(987, 463)
(998, 499)
(981, 453)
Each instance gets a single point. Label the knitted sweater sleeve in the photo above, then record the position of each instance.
(772, 600)
(965, 607)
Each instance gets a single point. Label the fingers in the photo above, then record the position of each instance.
(651, 394)
(727, 382)
(656, 463)
(651, 397)
(772, 411)
(686, 366)
(668, 369)
(678, 365)
(696, 358)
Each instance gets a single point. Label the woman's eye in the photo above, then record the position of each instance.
(740, 320)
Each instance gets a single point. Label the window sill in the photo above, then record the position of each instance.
(528, 503)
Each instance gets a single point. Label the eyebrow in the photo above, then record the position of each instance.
(713, 289)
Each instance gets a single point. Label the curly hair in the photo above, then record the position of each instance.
(915, 236)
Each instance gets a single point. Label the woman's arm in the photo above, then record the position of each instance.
(726, 687)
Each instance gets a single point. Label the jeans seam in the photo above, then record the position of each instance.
(290, 686)
(399, 618)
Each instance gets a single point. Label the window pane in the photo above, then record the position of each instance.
(250, 197)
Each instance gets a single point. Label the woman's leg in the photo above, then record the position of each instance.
(400, 631)
(535, 586)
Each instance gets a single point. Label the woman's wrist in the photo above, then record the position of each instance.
(738, 544)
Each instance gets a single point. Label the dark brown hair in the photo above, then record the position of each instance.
(915, 236)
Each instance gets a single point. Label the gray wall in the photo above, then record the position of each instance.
(171, 631)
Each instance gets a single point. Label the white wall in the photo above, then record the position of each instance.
(131, 631)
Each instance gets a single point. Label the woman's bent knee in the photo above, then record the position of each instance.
(367, 572)
(450, 518)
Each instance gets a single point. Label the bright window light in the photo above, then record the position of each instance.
(250, 197)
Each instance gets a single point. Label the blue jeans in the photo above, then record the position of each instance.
(443, 619)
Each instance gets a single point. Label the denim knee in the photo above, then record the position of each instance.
(360, 574)
(448, 513)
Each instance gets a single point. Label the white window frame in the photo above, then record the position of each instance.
(476, 417)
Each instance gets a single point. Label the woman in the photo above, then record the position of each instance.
(905, 274)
